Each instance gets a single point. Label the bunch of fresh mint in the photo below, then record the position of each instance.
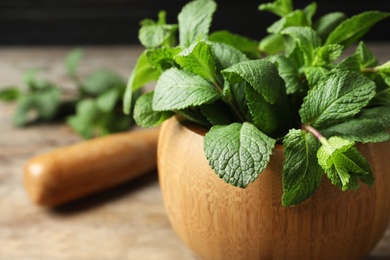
(290, 87)
(95, 110)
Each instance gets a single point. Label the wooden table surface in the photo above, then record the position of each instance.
(126, 222)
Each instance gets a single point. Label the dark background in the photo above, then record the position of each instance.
(48, 22)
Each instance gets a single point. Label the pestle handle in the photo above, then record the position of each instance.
(77, 170)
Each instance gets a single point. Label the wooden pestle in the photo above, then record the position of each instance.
(77, 170)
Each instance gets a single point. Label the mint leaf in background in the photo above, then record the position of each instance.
(145, 116)
(177, 89)
(327, 23)
(162, 58)
(9, 94)
(326, 55)
(101, 80)
(241, 43)
(195, 20)
(262, 75)
(156, 35)
(72, 60)
(217, 113)
(24, 106)
(238, 152)
(307, 40)
(227, 55)
(271, 44)
(142, 74)
(47, 103)
(263, 113)
(295, 18)
(314, 75)
(278, 7)
(354, 28)
(198, 59)
(31, 80)
(301, 172)
(380, 114)
(363, 130)
(108, 99)
(344, 164)
(289, 72)
(365, 56)
(310, 10)
(337, 97)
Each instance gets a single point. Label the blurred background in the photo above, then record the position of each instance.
(103, 22)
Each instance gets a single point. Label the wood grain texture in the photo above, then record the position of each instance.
(219, 221)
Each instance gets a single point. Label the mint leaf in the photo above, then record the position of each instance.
(195, 115)
(47, 103)
(289, 72)
(278, 7)
(363, 130)
(24, 105)
(263, 113)
(227, 55)
(162, 58)
(310, 10)
(142, 73)
(307, 40)
(198, 59)
(326, 55)
(343, 163)
(195, 20)
(241, 43)
(262, 75)
(327, 23)
(301, 172)
(178, 89)
(238, 152)
(155, 35)
(217, 113)
(9, 94)
(337, 97)
(365, 56)
(295, 18)
(314, 75)
(271, 44)
(108, 99)
(380, 114)
(101, 80)
(72, 60)
(352, 29)
(145, 116)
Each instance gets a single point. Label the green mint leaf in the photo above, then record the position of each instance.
(162, 58)
(310, 10)
(363, 130)
(343, 163)
(195, 20)
(262, 75)
(193, 114)
(278, 7)
(314, 75)
(350, 63)
(241, 43)
(352, 29)
(271, 44)
(101, 80)
(155, 35)
(263, 113)
(227, 55)
(289, 72)
(77, 124)
(380, 114)
(34, 84)
(47, 103)
(327, 23)
(297, 18)
(337, 97)
(326, 55)
(217, 113)
(108, 99)
(307, 40)
(301, 172)
(142, 73)
(24, 105)
(10, 94)
(365, 57)
(72, 60)
(198, 59)
(177, 89)
(145, 116)
(238, 152)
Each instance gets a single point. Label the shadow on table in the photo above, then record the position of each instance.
(106, 196)
(377, 258)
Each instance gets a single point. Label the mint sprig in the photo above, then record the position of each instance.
(289, 87)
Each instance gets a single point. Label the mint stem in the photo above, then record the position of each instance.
(369, 70)
(314, 132)
(231, 104)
